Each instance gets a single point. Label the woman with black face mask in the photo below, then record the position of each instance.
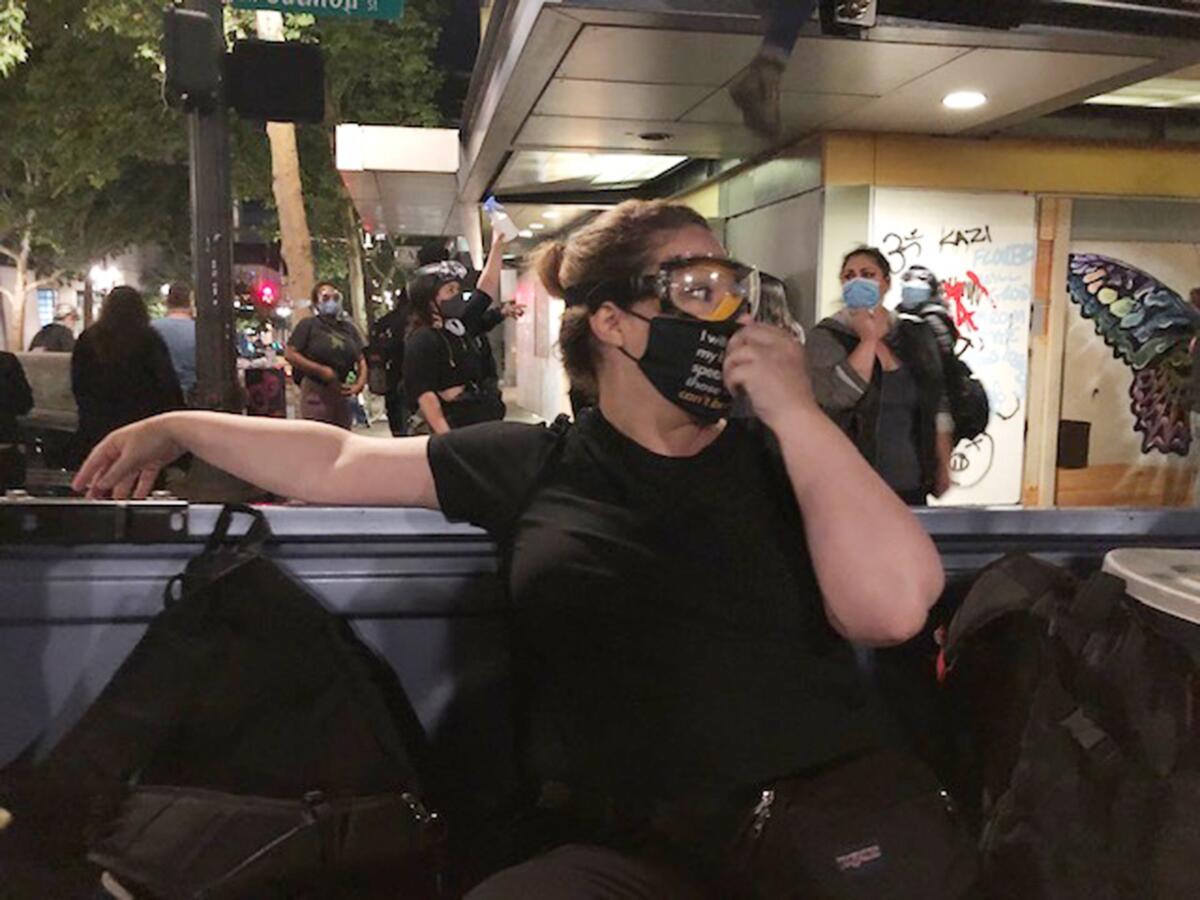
(684, 585)
(326, 354)
(447, 377)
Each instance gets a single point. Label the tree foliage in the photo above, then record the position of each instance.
(13, 46)
(93, 161)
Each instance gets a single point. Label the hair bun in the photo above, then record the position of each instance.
(547, 264)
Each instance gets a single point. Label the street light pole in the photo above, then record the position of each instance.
(212, 243)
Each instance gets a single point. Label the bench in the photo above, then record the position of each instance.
(49, 375)
(82, 581)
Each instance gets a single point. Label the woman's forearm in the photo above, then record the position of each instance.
(280, 456)
(489, 278)
(862, 359)
(309, 461)
(879, 571)
(431, 409)
(304, 364)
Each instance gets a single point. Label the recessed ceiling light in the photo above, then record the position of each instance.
(964, 100)
(525, 233)
(552, 214)
(537, 226)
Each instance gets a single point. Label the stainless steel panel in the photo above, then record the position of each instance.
(687, 138)
(618, 100)
(800, 112)
(656, 56)
(1015, 82)
(784, 239)
(827, 65)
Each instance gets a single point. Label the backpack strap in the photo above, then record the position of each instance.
(1016, 583)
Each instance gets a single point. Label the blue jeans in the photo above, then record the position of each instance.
(784, 21)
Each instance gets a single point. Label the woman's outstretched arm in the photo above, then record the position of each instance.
(306, 460)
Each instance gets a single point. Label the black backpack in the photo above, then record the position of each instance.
(968, 399)
(1079, 742)
(250, 746)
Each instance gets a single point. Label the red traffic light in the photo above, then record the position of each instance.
(266, 293)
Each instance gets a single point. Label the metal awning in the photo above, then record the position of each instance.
(626, 84)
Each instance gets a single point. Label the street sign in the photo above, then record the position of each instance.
(345, 9)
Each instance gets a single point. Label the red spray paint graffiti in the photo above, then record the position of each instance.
(965, 297)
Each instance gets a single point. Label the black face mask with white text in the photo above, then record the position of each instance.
(684, 359)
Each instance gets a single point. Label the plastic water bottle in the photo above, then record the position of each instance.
(500, 219)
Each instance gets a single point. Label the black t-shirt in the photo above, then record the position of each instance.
(54, 338)
(436, 359)
(670, 638)
(335, 343)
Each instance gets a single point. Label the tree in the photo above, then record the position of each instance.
(377, 73)
(91, 163)
(12, 35)
(99, 163)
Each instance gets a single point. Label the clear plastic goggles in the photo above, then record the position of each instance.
(704, 287)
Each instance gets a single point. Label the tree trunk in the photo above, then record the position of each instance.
(16, 325)
(14, 315)
(289, 194)
(89, 300)
(358, 281)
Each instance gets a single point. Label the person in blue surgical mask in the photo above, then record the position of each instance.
(921, 296)
(879, 376)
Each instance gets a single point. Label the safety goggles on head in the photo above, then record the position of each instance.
(445, 271)
(708, 288)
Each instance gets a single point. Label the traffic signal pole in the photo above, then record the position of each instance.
(212, 244)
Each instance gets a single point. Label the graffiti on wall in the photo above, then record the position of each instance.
(1149, 327)
(982, 248)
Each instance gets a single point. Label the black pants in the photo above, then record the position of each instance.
(397, 413)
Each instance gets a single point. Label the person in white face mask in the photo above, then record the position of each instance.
(326, 355)
(880, 377)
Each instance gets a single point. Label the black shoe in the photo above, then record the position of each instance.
(755, 90)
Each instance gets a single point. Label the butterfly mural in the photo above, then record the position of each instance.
(1149, 327)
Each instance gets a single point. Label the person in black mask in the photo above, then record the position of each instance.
(326, 354)
(682, 587)
(449, 372)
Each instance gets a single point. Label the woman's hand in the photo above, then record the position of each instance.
(871, 325)
(511, 309)
(767, 364)
(126, 463)
(352, 390)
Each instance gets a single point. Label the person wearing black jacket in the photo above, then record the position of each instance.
(121, 371)
(450, 377)
(16, 399)
(683, 586)
(386, 351)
